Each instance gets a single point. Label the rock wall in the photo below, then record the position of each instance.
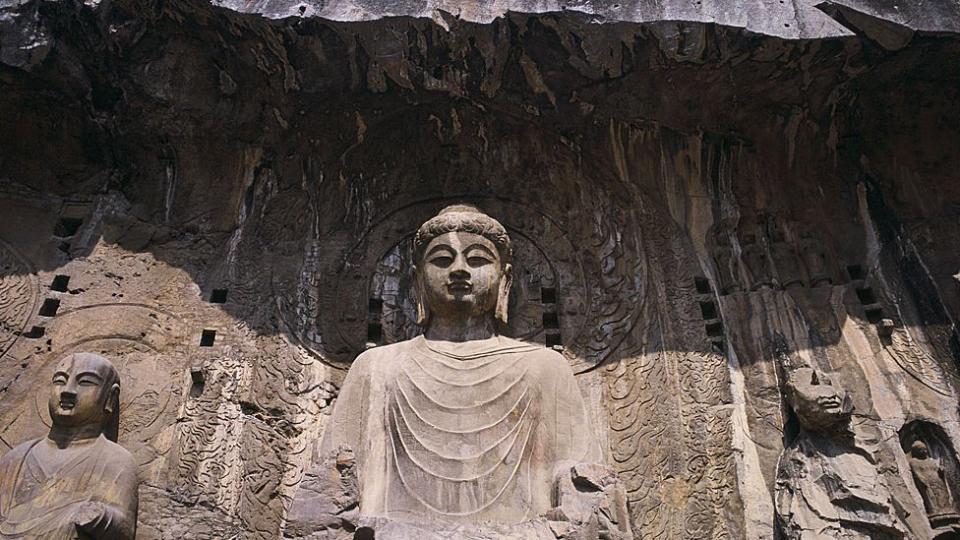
(222, 203)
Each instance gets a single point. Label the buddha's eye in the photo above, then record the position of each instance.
(442, 261)
(88, 382)
(475, 260)
(59, 379)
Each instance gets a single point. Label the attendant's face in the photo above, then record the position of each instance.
(461, 275)
(80, 391)
(818, 402)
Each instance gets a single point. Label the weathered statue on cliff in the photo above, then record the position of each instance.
(929, 476)
(828, 487)
(76, 482)
(462, 431)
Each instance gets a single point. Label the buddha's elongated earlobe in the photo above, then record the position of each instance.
(423, 312)
(503, 295)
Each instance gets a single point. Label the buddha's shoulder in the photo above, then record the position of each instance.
(18, 452)
(380, 356)
(116, 452)
(536, 353)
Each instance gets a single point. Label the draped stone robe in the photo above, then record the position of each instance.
(474, 436)
(39, 503)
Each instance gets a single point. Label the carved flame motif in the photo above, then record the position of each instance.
(18, 296)
(913, 359)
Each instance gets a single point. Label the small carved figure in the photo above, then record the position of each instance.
(928, 474)
(463, 429)
(785, 257)
(815, 261)
(827, 486)
(756, 262)
(76, 482)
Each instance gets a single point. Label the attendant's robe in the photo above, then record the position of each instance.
(36, 503)
(472, 437)
(828, 490)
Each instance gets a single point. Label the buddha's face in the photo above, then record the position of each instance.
(461, 274)
(81, 391)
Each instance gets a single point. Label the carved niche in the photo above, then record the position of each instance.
(936, 475)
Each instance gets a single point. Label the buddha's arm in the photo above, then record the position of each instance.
(573, 430)
(115, 516)
(347, 424)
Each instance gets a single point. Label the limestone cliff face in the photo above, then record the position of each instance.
(705, 196)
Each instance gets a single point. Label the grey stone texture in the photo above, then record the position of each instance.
(701, 203)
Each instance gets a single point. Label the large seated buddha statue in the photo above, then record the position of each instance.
(462, 430)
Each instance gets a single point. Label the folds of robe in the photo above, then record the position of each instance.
(37, 503)
(471, 436)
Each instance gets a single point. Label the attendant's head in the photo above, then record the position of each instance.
(820, 405)
(463, 270)
(919, 450)
(85, 393)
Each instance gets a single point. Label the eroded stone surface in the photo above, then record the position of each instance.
(652, 174)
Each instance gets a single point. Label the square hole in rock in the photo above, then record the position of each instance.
(553, 340)
(67, 227)
(375, 305)
(715, 329)
(218, 296)
(855, 271)
(60, 283)
(207, 337)
(548, 295)
(49, 307)
(874, 315)
(551, 320)
(708, 310)
(702, 284)
(374, 332)
(866, 296)
(35, 332)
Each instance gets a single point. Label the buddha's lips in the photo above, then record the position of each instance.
(460, 286)
(68, 403)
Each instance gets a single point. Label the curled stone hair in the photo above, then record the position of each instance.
(463, 218)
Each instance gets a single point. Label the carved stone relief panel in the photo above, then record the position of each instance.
(18, 296)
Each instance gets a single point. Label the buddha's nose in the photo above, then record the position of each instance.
(459, 269)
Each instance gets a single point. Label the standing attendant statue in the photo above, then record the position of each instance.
(939, 497)
(77, 482)
(463, 432)
(828, 487)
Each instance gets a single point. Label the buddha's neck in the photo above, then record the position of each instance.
(64, 436)
(461, 329)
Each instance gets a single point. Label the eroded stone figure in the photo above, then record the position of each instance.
(462, 431)
(727, 263)
(828, 487)
(756, 261)
(76, 482)
(931, 481)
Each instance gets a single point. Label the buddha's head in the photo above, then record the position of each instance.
(462, 265)
(817, 402)
(85, 392)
